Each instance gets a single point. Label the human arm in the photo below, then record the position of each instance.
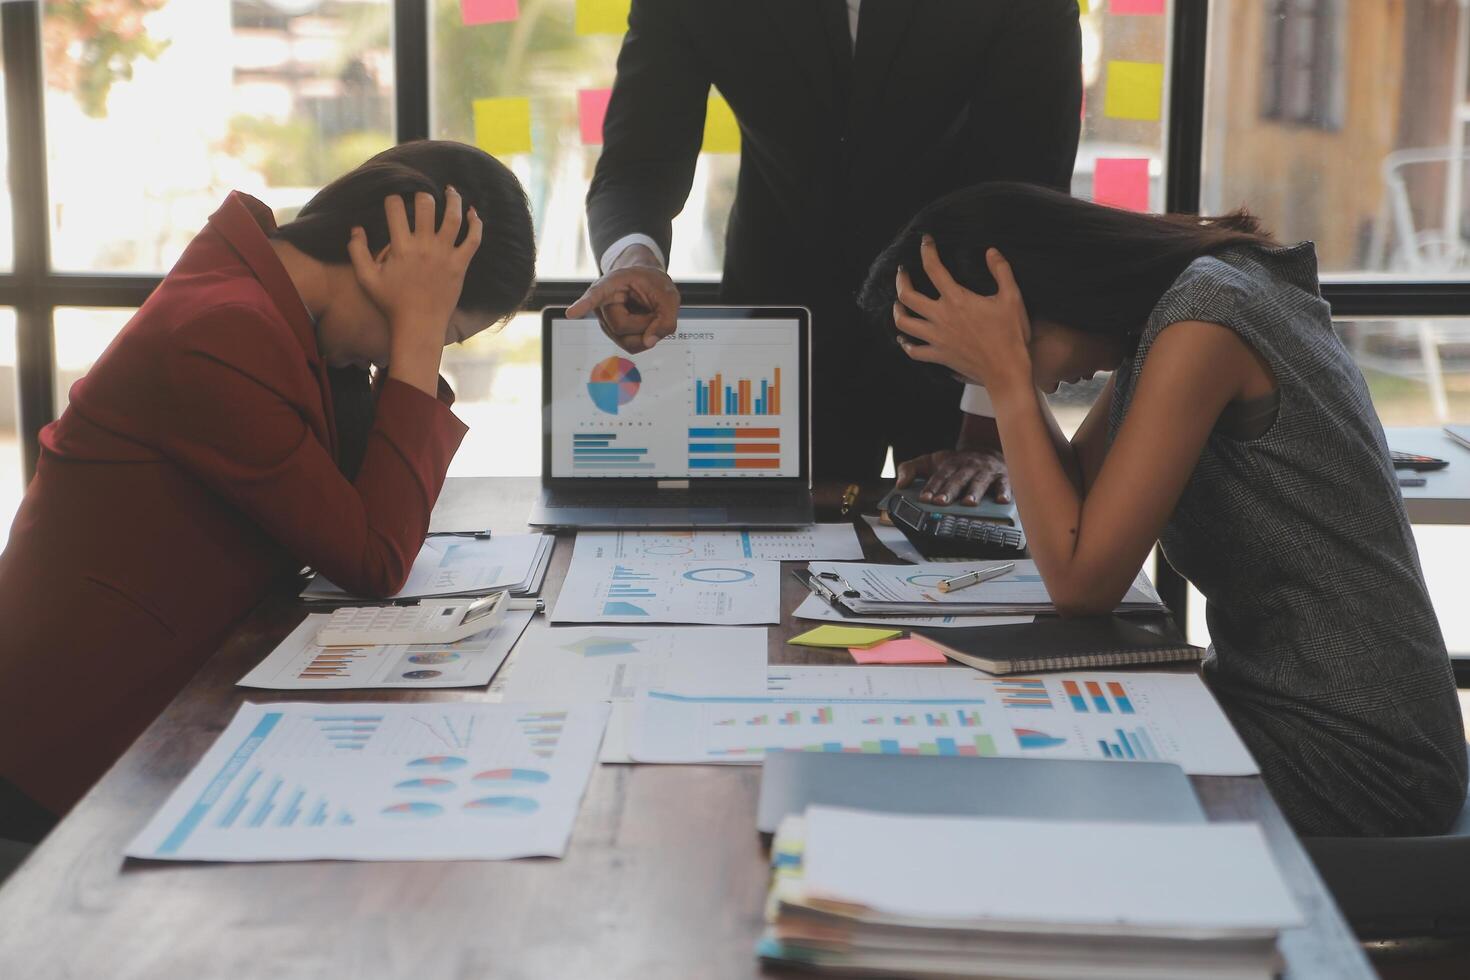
(1088, 545)
(651, 138)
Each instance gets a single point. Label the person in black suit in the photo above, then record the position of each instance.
(853, 114)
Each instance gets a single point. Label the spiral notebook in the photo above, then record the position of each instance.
(1057, 644)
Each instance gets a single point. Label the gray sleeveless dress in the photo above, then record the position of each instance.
(1326, 653)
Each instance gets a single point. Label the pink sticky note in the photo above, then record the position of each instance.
(907, 651)
(591, 109)
(1121, 183)
(473, 12)
(1126, 8)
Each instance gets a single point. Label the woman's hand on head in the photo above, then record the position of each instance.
(416, 281)
(982, 338)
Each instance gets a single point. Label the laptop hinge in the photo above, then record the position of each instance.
(673, 484)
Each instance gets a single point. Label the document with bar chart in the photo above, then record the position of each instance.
(382, 782)
(946, 711)
(715, 398)
(726, 592)
(300, 664)
(832, 542)
(1151, 717)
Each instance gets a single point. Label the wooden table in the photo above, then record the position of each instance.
(665, 876)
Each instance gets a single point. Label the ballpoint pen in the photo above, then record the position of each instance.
(979, 575)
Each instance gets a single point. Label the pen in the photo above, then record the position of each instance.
(1412, 481)
(979, 575)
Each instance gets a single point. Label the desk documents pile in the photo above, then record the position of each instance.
(899, 895)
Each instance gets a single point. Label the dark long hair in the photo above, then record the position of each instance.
(499, 276)
(1087, 266)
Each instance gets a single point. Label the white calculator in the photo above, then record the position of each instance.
(428, 622)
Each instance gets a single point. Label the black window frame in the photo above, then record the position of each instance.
(35, 290)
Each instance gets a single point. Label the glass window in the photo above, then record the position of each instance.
(12, 474)
(1120, 160)
(82, 334)
(187, 100)
(1343, 122)
(496, 379)
(529, 80)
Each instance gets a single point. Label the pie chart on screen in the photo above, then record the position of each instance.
(613, 384)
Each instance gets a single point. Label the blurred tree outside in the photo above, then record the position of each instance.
(90, 44)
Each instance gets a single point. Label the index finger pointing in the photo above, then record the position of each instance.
(938, 274)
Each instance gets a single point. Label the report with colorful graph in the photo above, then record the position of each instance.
(299, 663)
(947, 711)
(720, 592)
(383, 782)
(715, 398)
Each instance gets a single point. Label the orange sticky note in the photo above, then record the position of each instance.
(591, 110)
(1135, 90)
(909, 651)
(472, 12)
(503, 126)
(602, 16)
(721, 131)
(1121, 183)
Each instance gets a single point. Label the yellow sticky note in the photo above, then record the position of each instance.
(721, 131)
(1082, 6)
(503, 126)
(845, 637)
(1135, 90)
(602, 16)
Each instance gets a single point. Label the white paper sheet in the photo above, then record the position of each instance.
(948, 711)
(832, 542)
(300, 664)
(815, 608)
(726, 592)
(918, 584)
(382, 782)
(1212, 876)
(456, 566)
(577, 664)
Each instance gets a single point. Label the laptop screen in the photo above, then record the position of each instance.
(720, 397)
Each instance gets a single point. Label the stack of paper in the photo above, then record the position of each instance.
(454, 565)
(908, 590)
(989, 897)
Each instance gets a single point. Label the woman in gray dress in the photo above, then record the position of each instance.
(1235, 430)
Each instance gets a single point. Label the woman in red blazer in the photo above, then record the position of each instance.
(201, 459)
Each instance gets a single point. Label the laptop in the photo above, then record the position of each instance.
(1059, 789)
(710, 428)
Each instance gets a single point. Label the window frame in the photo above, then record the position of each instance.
(35, 290)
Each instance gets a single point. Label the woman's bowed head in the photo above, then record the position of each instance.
(1014, 286)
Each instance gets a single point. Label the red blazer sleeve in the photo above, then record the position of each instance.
(242, 395)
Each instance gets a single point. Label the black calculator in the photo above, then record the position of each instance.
(939, 534)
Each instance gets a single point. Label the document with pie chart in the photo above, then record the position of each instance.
(724, 592)
(383, 782)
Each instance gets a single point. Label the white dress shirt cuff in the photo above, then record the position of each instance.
(976, 401)
(617, 248)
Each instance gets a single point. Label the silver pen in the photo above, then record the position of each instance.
(979, 575)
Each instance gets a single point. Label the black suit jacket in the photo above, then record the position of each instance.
(839, 149)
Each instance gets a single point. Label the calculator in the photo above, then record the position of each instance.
(1416, 462)
(427, 622)
(945, 535)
